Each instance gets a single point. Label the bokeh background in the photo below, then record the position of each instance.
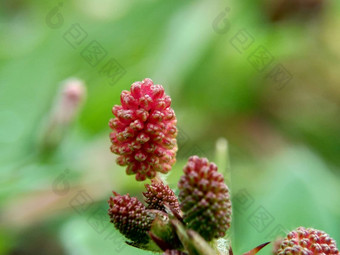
(264, 75)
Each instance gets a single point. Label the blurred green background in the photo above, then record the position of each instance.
(282, 131)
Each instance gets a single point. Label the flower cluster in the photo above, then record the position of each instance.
(204, 200)
(144, 130)
(144, 138)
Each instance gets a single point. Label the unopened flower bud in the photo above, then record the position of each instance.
(66, 107)
(158, 195)
(144, 131)
(204, 199)
(130, 217)
(308, 241)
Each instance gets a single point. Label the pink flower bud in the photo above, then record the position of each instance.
(308, 241)
(144, 131)
(66, 107)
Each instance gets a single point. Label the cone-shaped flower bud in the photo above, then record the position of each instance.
(144, 130)
(308, 241)
(67, 105)
(204, 199)
(158, 194)
(130, 217)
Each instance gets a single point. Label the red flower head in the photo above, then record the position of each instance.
(308, 241)
(144, 130)
(204, 199)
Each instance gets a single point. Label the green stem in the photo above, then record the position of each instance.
(222, 159)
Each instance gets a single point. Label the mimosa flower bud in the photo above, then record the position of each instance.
(204, 199)
(144, 130)
(131, 217)
(72, 95)
(308, 241)
(158, 194)
(66, 107)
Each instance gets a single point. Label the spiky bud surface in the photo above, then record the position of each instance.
(144, 130)
(130, 217)
(158, 194)
(308, 241)
(204, 199)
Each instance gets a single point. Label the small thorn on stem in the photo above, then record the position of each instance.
(256, 249)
